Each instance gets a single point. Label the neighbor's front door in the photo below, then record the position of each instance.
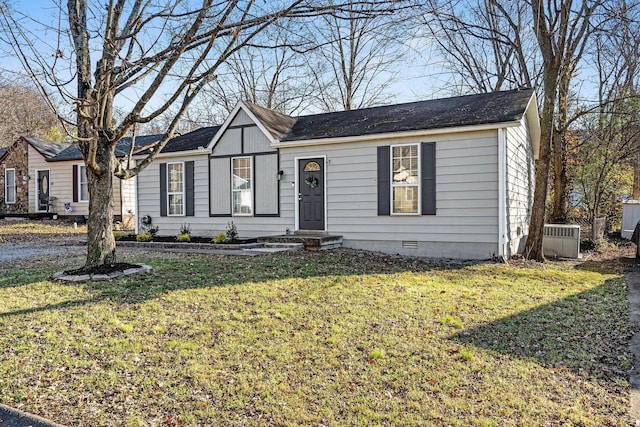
(311, 194)
(43, 191)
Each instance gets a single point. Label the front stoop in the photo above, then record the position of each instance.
(312, 241)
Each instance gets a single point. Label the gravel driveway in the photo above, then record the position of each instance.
(11, 252)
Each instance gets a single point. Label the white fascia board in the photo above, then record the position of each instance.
(395, 135)
(533, 121)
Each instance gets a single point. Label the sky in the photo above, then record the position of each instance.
(423, 76)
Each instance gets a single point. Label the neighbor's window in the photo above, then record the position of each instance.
(10, 186)
(175, 188)
(405, 178)
(242, 183)
(83, 189)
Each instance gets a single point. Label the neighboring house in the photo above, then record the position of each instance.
(442, 178)
(48, 177)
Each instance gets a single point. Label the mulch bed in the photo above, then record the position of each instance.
(102, 269)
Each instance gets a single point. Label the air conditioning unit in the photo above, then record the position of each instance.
(561, 240)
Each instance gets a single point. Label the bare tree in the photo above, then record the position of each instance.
(563, 30)
(23, 112)
(356, 59)
(156, 55)
(488, 45)
(272, 73)
(610, 131)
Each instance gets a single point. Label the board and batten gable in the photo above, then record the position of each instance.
(242, 137)
(212, 192)
(520, 180)
(465, 224)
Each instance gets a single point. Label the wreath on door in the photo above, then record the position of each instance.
(311, 181)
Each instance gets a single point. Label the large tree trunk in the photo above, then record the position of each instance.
(560, 179)
(533, 247)
(559, 141)
(101, 245)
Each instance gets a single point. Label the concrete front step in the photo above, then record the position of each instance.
(277, 247)
(310, 241)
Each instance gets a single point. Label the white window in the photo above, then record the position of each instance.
(175, 187)
(10, 186)
(242, 185)
(83, 188)
(405, 179)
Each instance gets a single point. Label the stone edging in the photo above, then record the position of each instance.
(86, 277)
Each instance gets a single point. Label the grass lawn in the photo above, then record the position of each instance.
(335, 338)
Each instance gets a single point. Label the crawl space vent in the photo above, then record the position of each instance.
(410, 244)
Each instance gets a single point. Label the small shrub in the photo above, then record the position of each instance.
(184, 237)
(232, 232)
(144, 237)
(219, 238)
(185, 229)
(117, 234)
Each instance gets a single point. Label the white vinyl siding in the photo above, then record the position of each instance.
(242, 186)
(149, 198)
(10, 186)
(520, 179)
(175, 189)
(466, 225)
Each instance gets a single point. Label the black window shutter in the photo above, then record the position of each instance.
(384, 180)
(189, 184)
(75, 183)
(163, 189)
(428, 178)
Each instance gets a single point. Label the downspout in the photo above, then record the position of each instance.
(136, 205)
(502, 191)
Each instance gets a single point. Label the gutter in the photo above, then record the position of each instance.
(395, 135)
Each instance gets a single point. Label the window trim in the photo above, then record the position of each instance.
(6, 186)
(251, 187)
(173, 193)
(80, 167)
(417, 185)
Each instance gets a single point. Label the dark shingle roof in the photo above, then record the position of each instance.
(192, 140)
(72, 152)
(276, 123)
(48, 149)
(142, 141)
(486, 108)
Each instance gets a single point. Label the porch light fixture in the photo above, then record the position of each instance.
(280, 173)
